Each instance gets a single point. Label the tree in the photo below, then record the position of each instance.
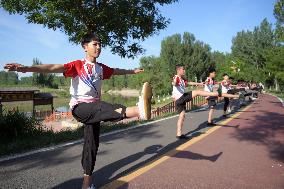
(120, 24)
(223, 64)
(274, 72)
(194, 54)
(28, 80)
(275, 66)
(8, 78)
(43, 79)
(263, 40)
(279, 11)
(158, 79)
(279, 15)
(201, 61)
(250, 46)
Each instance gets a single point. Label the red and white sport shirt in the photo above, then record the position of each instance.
(226, 85)
(209, 84)
(86, 80)
(179, 88)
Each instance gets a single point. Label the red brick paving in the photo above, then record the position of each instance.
(250, 155)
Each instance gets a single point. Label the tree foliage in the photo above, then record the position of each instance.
(257, 55)
(8, 78)
(279, 15)
(185, 49)
(250, 46)
(43, 79)
(121, 24)
(176, 49)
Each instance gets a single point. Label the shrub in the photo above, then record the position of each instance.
(15, 123)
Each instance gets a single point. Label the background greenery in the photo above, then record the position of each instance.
(257, 55)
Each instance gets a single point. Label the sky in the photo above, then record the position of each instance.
(214, 22)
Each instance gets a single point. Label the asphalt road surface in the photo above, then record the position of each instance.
(238, 149)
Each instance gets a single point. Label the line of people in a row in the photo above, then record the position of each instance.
(86, 105)
(225, 88)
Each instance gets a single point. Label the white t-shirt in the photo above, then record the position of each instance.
(86, 80)
(226, 85)
(210, 85)
(179, 88)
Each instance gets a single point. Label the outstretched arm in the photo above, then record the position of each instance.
(195, 83)
(174, 82)
(118, 71)
(43, 68)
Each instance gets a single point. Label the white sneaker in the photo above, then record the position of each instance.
(140, 105)
(91, 187)
(144, 103)
(229, 110)
(253, 98)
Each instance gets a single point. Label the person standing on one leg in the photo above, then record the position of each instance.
(179, 87)
(226, 86)
(212, 101)
(181, 97)
(86, 105)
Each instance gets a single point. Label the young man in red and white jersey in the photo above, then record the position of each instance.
(212, 101)
(86, 105)
(181, 97)
(226, 86)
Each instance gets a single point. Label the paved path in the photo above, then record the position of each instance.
(242, 148)
(248, 155)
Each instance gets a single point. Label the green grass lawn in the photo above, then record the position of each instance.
(27, 106)
(280, 94)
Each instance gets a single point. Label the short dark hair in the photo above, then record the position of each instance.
(225, 74)
(87, 38)
(179, 66)
(211, 70)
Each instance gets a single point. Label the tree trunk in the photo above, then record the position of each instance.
(276, 84)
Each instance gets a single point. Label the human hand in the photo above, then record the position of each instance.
(136, 71)
(15, 67)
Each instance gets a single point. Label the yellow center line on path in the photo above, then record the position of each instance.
(124, 179)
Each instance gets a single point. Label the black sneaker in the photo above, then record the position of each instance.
(211, 124)
(224, 116)
(182, 137)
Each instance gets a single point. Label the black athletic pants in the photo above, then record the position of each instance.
(226, 103)
(91, 114)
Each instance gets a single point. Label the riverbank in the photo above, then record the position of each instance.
(125, 92)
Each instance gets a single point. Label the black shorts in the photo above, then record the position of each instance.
(181, 102)
(91, 114)
(212, 101)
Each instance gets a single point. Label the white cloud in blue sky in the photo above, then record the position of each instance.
(212, 21)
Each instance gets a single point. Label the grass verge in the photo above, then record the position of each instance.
(280, 94)
(43, 139)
